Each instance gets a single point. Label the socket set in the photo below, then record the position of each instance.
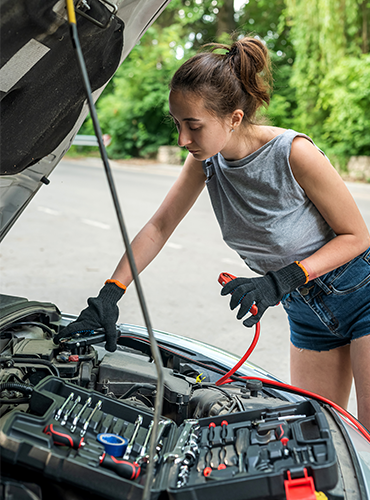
(273, 453)
(81, 437)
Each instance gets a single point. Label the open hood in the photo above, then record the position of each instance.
(43, 102)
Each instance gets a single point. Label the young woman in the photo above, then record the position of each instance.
(284, 209)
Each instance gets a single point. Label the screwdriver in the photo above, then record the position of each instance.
(241, 446)
(62, 438)
(124, 468)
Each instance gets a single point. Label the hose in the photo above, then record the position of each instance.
(32, 361)
(12, 386)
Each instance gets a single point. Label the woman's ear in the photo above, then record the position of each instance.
(237, 118)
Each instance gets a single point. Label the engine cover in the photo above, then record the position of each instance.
(120, 371)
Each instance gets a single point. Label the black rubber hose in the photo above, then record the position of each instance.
(136, 388)
(13, 386)
(14, 401)
(37, 361)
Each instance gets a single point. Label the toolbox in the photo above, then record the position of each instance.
(84, 438)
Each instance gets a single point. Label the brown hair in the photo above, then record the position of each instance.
(238, 79)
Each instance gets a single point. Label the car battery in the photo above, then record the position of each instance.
(100, 445)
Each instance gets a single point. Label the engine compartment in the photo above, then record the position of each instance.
(77, 391)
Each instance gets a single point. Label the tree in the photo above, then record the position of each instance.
(327, 36)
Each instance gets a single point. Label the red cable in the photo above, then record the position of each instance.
(225, 378)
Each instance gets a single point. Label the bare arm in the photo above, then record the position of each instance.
(151, 239)
(326, 189)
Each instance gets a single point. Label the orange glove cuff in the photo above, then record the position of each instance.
(116, 282)
(304, 270)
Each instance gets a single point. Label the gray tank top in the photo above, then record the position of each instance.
(263, 212)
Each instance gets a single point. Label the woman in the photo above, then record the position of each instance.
(281, 206)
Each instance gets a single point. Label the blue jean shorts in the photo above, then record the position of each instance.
(332, 310)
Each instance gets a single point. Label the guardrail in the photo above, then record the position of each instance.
(90, 140)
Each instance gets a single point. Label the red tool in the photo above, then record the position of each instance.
(225, 278)
(62, 438)
(124, 468)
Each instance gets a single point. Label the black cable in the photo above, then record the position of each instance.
(153, 344)
(45, 328)
(14, 401)
(35, 361)
(137, 387)
(13, 386)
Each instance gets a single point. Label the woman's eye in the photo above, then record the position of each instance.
(197, 128)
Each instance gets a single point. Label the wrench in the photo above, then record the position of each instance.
(69, 412)
(78, 416)
(60, 411)
(87, 423)
(131, 443)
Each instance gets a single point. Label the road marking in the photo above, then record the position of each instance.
(48, 211)
(21, 63)
(95, 223)
(174, 245)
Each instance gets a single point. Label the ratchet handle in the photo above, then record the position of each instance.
(62, 438)
(124, 468)
(225, 278)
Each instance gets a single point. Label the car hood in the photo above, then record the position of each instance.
(43, 102)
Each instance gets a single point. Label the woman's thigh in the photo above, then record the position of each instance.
(327, 373)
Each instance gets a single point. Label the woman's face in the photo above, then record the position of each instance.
(200, 132)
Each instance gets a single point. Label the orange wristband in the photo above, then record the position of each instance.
(118, 283)
(304, 270)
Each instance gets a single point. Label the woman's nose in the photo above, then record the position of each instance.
(184, 138)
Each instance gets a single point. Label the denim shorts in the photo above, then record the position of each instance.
(332, 310)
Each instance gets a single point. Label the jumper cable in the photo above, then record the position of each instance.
(226, 379)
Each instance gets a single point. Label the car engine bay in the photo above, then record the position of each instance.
(68, 411)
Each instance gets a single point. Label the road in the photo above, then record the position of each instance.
(67, 244)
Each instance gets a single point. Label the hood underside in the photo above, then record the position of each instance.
(43, 101)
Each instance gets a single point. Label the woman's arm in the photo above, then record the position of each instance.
(151, 239)
(327, 191)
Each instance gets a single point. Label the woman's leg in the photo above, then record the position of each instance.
(327, 373)
(360, 355)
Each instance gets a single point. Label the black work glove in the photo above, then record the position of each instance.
(265, 291)
(102, 311)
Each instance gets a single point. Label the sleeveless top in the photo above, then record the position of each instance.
(262, 211)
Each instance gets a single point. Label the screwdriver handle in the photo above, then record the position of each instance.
(282, 431)
(124, 468)
(62, 438)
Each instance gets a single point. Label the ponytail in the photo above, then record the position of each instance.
(237, 79)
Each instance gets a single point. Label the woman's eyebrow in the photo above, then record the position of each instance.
(187, 119)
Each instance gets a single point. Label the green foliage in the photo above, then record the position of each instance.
(320, 57)
(135, 111)
(344, 98)
(330, 75)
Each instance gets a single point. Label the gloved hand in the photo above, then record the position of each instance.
(265, 291)
(102, 311)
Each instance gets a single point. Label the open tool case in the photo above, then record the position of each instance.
(264, 453)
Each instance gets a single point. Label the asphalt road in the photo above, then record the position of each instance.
(67, 243)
